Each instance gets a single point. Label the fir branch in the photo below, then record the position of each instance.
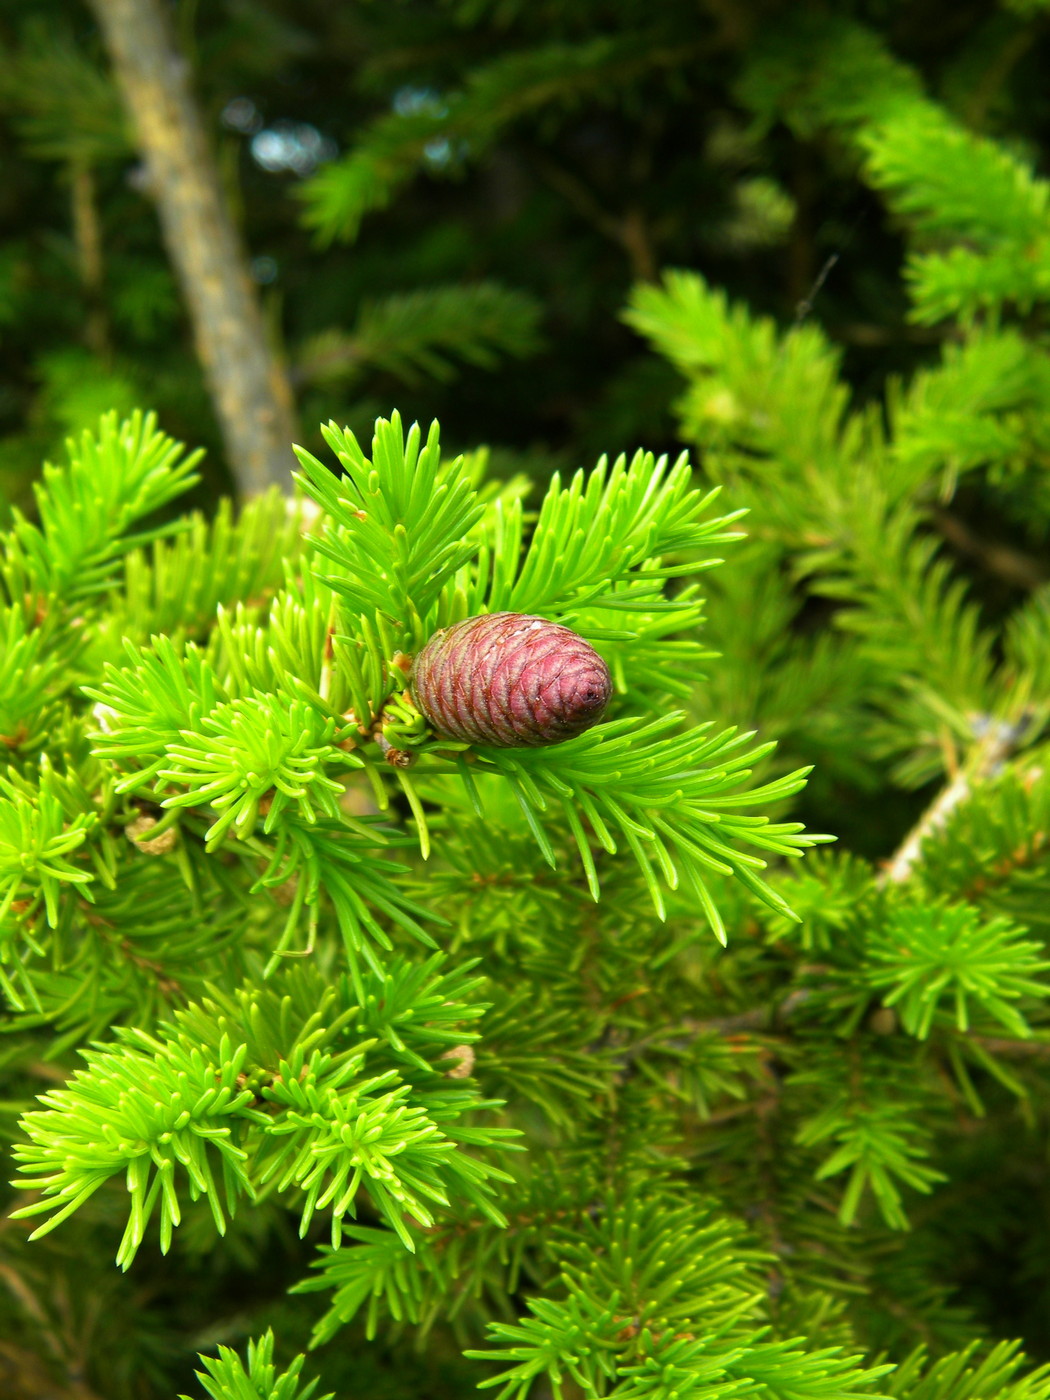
(923, 956)
(145, 1112)
(973, 409)
(343, 1135)
(964, 282)
(966, 1373)
(463, 1261)
(143, 709)
(954, 186)
(882, 1145)
(423, 334)
(361, 1077)
(127, 471)
(651, 656)
(600, 542)
(176, 587)
(294, 1115)
(653, 791)
(255, 749)
(843, 503)
(639, 1312)
(918, 622)
(553, 77)
(225, 1377)
(403, 519)
(324, 858)
(141, 946)
(375, 1274)
(739, 368)
(927, 165)
(526, 1055)
(36, 839)
(573, 1338)
(31, 673)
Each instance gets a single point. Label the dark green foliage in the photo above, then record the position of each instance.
(506, 173)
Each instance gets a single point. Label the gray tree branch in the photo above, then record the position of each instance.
(248, 385)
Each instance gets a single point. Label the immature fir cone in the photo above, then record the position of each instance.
(511, 681)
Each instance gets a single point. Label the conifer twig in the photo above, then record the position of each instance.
(1000, 738)
(87, 235)
(1012, 1048)
(628, 231)
(1013, 566)
(758, 1018)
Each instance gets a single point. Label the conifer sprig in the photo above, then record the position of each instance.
(286, 1106)
(423, 334)
(601, 542)
(968, 1373)
(125, 472)
(554, 76)
(145, 1112)
(933, 962)
(656, 1303)
(758, 1169)
(850, 507)
(978, 203)
(667, 798)
(410, 558)
(404, 520)
(226, 1377)
(35, 840)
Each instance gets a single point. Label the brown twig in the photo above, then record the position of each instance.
(87, 235)
(868, 333)
(1012, 565)
(997, 72)
(759, 1018)
(629, 231)
(1012, 1049)
(773, 1020)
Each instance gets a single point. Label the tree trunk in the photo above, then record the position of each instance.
(248, 385)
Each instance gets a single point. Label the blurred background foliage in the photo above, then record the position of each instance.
(477, 275)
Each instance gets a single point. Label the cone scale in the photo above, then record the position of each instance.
(510, 681)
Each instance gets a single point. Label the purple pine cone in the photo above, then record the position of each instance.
(511, 681)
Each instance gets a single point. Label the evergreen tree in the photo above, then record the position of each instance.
(563, 1068)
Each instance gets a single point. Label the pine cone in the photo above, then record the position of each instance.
(511, 681)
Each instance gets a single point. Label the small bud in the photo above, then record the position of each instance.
(160, 845)
(285, 892)
(397, 758)
(102, 715)
(883, 1020)
(464, 1058)
(511, 681)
